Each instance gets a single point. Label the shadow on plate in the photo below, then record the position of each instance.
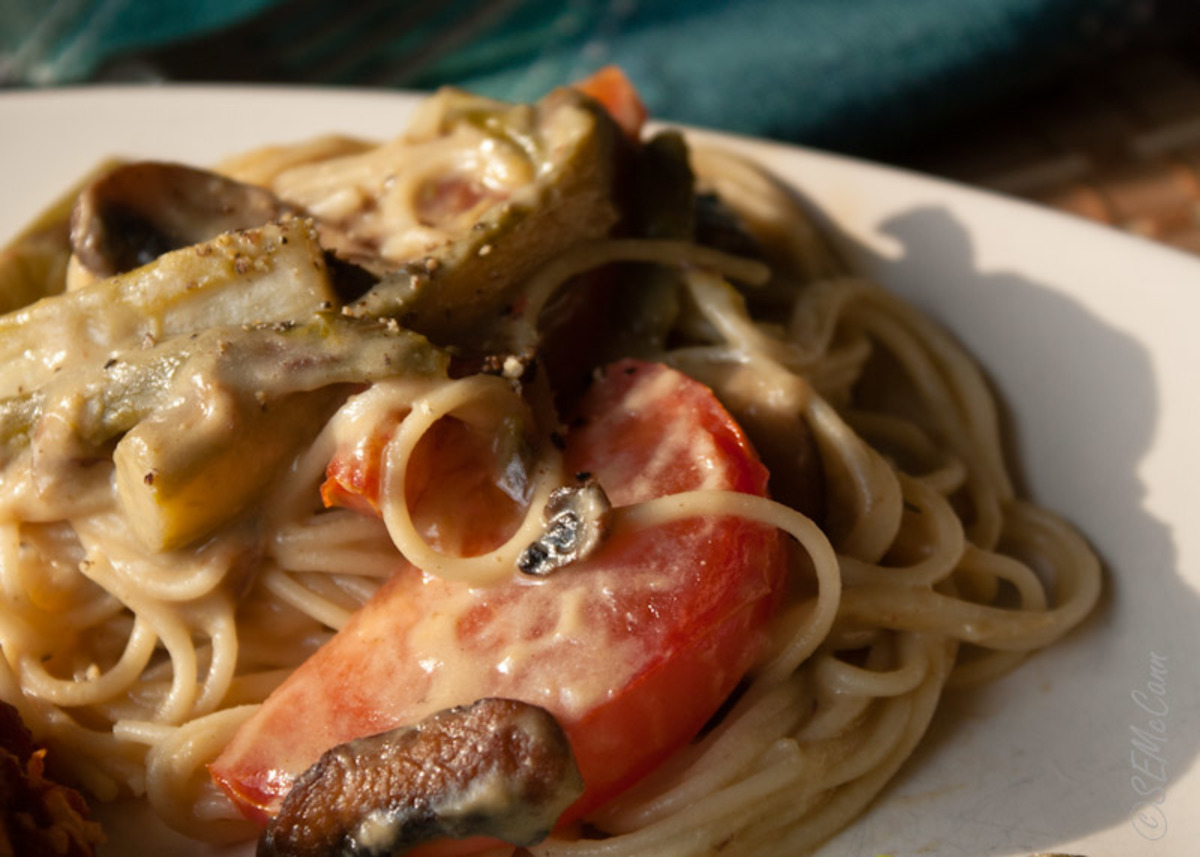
(1083, 741)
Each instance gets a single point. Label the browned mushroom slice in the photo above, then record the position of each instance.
(133, 214)
(497, 768)
(577, 520)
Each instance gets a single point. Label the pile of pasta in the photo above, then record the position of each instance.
(137, 639)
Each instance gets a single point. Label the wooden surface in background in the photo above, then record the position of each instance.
(1120, 145)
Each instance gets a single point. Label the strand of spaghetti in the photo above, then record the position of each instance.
(819, 612)
(725, 308)
(833, 715)
(830, 715)
(168, 577)
(773, 210)
(707, 363)
(253, 687)
(371, 562)
(595, 254)
(359, 589)
(458, 397)
(10, 564)
(950, 393)
(333, 541)
(146, 732)
(699, 829)
(176, 638)
(1075, 566)
(337, 588)
(764, 714)
(889, 740)
(842, 367)
(916, 609)
(98, 761)
(274, 634)
(875, 515)
(219, 624)
(895, 744)
(17, 632)
(841, 677)
(858, 751)
(867, 500)
(1049, 540)
(167, 622)
(832, 763)
(976, 404)
(292, 499)
(287, 589)
(932, 464)
(1000, 567)
(816, 318)
(940, 549)
(91, 690)
(96, 610)
(929, 375)
(175, 773)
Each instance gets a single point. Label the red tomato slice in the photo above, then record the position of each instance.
(616, 93)
(452, 485)
(632, 649)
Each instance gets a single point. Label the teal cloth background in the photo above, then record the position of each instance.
(850, 75)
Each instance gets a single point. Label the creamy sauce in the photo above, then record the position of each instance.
(391, 197)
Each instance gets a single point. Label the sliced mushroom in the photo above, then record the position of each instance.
(136, 212)
(577, 520)
(497, 768)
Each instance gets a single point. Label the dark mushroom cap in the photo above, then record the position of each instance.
(133, 214)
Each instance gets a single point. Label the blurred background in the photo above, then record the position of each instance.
(1091, 106)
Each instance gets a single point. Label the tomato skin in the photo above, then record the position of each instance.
(616, 93)
(632, 649)
(352, 477)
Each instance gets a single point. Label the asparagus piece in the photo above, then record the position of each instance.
(240, 410)
(205, 419)
(467, 285)
(273, 273)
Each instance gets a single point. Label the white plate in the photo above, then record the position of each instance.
(1091, 747)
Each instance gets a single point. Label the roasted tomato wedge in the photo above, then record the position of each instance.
(615, 92)
(632, 649)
